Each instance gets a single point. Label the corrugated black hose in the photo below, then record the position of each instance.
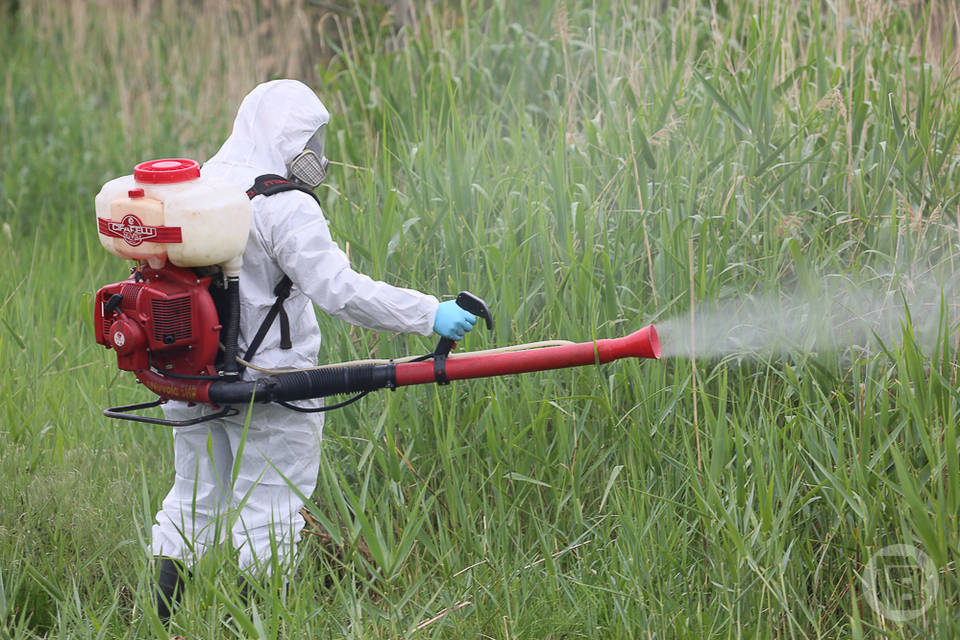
(304, 385)
(231, 332)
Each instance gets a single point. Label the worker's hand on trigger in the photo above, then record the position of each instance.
(452, 321)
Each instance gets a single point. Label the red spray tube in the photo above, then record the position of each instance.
(318, 383)
(641, 344)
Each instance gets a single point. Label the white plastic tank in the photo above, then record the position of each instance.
(167, 211)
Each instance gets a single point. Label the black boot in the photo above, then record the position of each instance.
(169, 585)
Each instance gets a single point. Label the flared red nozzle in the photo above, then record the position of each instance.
(645, 343)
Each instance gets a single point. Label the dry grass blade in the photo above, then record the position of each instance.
(443, 614)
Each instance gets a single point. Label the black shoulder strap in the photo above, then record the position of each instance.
(268, 185)
(282, 291)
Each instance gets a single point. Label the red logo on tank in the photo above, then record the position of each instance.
(132, 231)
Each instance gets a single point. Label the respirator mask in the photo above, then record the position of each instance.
(309, 167)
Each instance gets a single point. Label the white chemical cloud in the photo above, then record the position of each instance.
(837, 313)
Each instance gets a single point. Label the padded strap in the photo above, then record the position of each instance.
(270, 183)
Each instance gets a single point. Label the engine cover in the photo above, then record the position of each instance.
(164, 317)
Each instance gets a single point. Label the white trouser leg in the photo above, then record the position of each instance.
(280, 450)
(188, 521)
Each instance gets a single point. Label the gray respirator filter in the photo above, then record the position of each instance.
(310, 165)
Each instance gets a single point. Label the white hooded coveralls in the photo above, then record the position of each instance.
(288, 235)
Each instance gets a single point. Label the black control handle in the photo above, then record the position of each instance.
(468, 302)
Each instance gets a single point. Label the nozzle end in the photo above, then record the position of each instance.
(644, 343)
(649, 342)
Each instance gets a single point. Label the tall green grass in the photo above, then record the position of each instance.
(587, 168)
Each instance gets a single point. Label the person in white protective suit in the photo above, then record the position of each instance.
(279, 129)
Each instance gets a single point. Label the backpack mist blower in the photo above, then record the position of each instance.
(175, 321)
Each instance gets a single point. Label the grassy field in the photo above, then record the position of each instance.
(587, 168)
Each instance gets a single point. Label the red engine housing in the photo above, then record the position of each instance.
(165, 318)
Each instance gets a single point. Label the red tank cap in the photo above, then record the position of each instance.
(135, 193)
(166, 170)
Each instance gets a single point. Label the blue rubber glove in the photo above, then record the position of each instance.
(452, 322)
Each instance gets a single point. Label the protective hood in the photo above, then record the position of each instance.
(273, 124)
